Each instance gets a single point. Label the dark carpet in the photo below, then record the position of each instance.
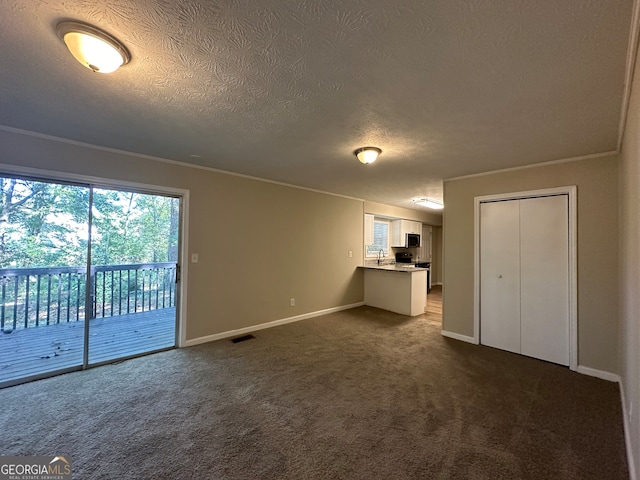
(360, 394)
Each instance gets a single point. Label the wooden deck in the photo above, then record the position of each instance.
(43, 349)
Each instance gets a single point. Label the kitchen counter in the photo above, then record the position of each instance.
(404, 293)
(396, 267)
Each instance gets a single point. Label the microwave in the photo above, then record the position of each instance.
(412, 240)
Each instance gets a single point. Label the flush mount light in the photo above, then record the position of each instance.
(427, 202)
(367, 155)
(93, 48)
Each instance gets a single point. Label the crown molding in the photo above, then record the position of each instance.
(632, 52)
(43, 136)
(535, 165)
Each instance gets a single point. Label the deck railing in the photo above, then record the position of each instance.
(30, 297)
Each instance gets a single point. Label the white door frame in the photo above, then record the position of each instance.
(100, 182)
(571, 191)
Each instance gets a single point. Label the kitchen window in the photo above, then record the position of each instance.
(381, 230)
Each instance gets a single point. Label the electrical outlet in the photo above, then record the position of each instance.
(292, 302)
(350, 253)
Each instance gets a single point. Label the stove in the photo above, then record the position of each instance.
(404, 257)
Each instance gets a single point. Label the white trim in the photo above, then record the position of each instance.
(632, 51)
(594, 372)
(163, 160)
(535, 165)
(627, 433)
(573, 277)
(476, 270)
(99, 182)
(181, 336)
(262, 326)
(458, 336)
(139, 187)
(571, 191)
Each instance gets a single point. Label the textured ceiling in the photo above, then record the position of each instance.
(287, 89)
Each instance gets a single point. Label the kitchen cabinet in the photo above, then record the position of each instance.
(368, 229)
(399, 230)
(399, 290)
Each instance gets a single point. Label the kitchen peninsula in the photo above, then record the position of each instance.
(399, 288)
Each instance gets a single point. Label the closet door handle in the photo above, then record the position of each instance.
(499, 275)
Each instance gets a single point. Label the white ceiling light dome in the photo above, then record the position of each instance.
(367, 155)
(93, 48)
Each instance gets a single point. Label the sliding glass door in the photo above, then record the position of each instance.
(134, 254)
(43, 264)
(87, 276)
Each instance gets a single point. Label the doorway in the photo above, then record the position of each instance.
(88, 275)
(525, 274)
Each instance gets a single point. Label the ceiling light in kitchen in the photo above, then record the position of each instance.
(427, 202)
(93, 48)
(367, 155)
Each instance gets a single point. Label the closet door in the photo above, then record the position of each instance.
(544, 278)
(500, 275)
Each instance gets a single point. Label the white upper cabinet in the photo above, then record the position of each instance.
(414, 227)
(399, 230)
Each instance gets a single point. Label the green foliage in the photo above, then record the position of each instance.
(46, 225)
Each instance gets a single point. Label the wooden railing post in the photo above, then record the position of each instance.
(93, 307)
(4, 296)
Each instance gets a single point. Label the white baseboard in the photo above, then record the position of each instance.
(627, 434)
(262, 326)
(592, 372)
(458, 336)
(436, 283)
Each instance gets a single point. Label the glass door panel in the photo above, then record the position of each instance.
(134, 251)
(44, 230)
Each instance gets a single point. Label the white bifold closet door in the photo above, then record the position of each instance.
(500, 275)
(524, 265)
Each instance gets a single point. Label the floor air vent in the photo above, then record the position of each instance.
(243, 338)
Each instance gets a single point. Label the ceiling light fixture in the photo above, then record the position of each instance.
(367, 155)
(427, 202)
(93, 48)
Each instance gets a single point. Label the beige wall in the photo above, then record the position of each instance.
(630, 273)
(597, 182)
(428, 218)
(436, 254)
(259, 243)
